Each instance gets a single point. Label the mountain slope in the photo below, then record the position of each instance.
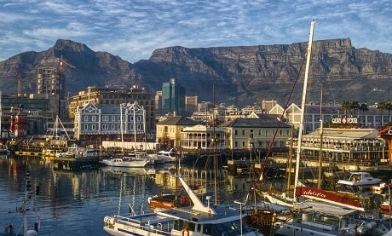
(242, 75)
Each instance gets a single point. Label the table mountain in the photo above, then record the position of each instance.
(242, 75)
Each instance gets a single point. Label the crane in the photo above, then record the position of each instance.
(62, 62)
(19, 82)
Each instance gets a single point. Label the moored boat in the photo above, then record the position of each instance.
(124, 162)
(200, 219)
(358, 181)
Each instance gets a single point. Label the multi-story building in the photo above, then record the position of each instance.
(332, 116)
(126, 121)
(173, 97)
(113, 97)
(190, 103)
(169, 131)
(248, 133)
(202, 137)
(158, 102)
(268, 105)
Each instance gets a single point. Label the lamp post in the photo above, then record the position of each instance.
(240, 203)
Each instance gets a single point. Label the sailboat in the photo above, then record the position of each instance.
(26, 206)
(3, 148)
(126, 160)
(198, 219)
(334, 216)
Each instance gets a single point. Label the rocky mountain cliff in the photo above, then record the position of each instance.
(242, 75)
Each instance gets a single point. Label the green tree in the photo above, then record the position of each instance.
(382, 106)
(346, 106)
(363, 107)
(354, 106)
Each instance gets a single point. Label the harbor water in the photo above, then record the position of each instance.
(74, 202)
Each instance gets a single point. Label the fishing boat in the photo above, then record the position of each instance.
(198, 219)
(358, 181)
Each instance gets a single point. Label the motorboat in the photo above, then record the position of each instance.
(359, 181)
(198, 219)
(124, 162)
(164, 156)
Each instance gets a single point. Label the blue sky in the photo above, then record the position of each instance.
(132, 29)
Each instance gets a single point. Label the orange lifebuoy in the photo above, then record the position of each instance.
(185, 232)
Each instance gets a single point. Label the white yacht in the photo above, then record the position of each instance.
(358, 180)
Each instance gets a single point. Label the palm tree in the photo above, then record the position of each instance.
(345, 106)
(382, 106)
(364, 107)
(354, 106)
(389, 108)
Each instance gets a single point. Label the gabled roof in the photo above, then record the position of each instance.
(179, 120)
(254, 123)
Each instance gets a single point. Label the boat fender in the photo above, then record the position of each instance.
(184, 232)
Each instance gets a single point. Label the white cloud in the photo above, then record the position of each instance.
(132, 29)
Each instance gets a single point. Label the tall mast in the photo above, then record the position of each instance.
(301, 124)
(214, 143)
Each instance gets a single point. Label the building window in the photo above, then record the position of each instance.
(139, 127)
(139, 118)
(235, 144)
(235, 132)
(105, 127)
(266, 132)
(281, 132)
(85, 118)
(243, 132)
(259, 132)
(113, 118)
(113, 127)
(85, 127)
(93, 127)
(131, 118)
(105, 118)
(93, 118)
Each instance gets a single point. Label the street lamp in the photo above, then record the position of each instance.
(240, 203)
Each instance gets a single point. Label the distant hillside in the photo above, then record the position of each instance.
(242, 75)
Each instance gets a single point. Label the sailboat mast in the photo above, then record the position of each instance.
(122, 128)
(301, 124)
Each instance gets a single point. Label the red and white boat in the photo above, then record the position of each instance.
(329, 197)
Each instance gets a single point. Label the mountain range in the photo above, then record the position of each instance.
(241, 75)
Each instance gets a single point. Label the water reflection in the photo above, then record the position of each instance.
(75, 202)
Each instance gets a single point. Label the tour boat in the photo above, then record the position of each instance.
(198, 219)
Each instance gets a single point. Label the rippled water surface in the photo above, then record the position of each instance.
(69, 203)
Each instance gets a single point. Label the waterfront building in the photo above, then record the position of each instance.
(173, 97)
(356, 118)
(169, 130)
(249, 133)
(355, 147)
(202, 137)
(116, 96)
(96, 121)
